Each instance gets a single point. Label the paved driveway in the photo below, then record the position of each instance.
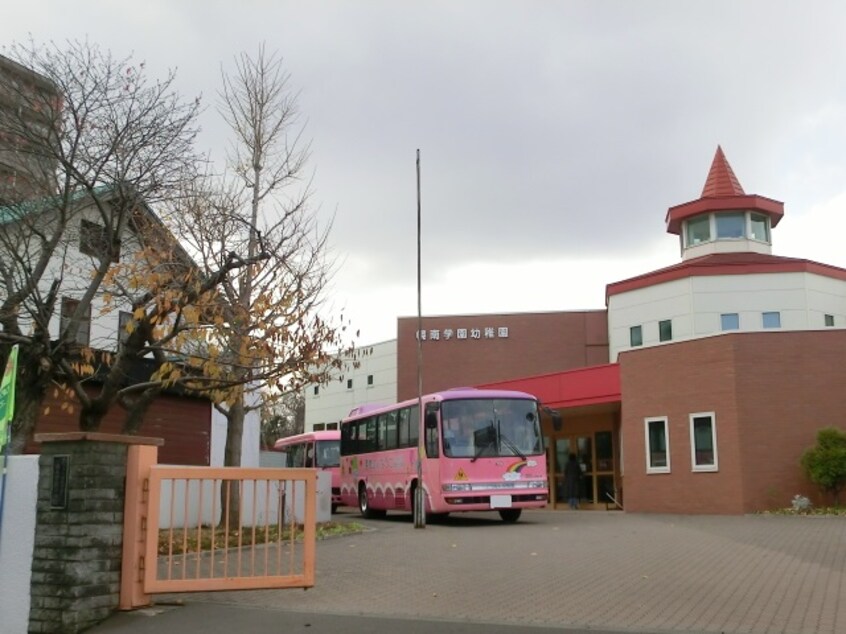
(597, 570)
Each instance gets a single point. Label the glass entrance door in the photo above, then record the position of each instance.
(595, 455)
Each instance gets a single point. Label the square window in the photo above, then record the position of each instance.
(369, 379)
(657, 445)
(665, 330)
(703, 442)
(94, 241)
(771, 319)
(730, 321)
(829, 321)
(636, 336)
(69, 307)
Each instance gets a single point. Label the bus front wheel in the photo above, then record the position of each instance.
(510, 516)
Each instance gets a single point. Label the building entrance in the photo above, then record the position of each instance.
(595, 454)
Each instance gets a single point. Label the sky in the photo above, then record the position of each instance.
(553, 136)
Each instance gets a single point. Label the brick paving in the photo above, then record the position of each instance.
(597, 570)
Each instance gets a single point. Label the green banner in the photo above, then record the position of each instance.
(7, 394)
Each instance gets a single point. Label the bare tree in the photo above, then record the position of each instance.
(270, 334)
(91, 143)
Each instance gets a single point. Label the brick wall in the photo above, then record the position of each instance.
(770, 392)
(537, 343)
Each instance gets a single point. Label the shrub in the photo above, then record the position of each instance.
(825, 464)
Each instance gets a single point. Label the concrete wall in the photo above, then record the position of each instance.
(330, 403)
(17, 538)
(694, 305)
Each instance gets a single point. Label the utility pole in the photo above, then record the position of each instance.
(419, 494)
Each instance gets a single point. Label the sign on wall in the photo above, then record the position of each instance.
(446, 334)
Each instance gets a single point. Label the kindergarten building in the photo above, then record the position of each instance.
(700, 385)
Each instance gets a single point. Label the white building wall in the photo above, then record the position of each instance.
(17, 542)
(695, 305)
(333, 401)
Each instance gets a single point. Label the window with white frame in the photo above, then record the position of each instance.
(636, 336)
(665, 330)
(657, 445)
(703, 442)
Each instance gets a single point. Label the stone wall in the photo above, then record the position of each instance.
(76, 562)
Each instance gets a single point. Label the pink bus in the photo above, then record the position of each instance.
(317, 449)
(482, 450)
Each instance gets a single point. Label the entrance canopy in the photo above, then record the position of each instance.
(595, 385)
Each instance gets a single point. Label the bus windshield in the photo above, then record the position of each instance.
(328, 453)
(474, 428)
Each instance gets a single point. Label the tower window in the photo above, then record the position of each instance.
(731, 225)
(698, 230)
(759, 228)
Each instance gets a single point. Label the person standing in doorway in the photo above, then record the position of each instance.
(572, 480)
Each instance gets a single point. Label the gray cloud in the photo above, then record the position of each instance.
(546, 129)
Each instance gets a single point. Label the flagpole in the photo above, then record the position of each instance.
(419, 501)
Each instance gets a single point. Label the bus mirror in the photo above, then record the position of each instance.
(557, 422)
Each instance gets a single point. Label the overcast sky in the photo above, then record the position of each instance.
(553, 135)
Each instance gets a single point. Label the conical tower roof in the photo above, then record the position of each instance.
(721, 180)
(722, 192)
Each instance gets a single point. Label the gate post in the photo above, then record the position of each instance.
(76, 563)
(140, 458)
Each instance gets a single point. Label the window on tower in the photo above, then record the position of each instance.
(731, 225)
(698, 230)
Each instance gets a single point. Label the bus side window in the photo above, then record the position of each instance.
(382, 434)
(391, 431)
(413, 426)
(370, 441)
(309, 455)
(403, 428)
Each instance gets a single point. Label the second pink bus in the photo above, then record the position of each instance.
(318, 450)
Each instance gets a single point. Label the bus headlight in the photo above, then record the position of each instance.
(455, 487)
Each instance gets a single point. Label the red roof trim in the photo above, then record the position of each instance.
(675, 215)
(724, 264)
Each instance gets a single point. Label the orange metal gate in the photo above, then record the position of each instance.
(182, 533)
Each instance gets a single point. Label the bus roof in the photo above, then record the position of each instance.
(329, 434)
(457, 393)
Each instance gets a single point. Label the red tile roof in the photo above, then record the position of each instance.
(721, 180)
